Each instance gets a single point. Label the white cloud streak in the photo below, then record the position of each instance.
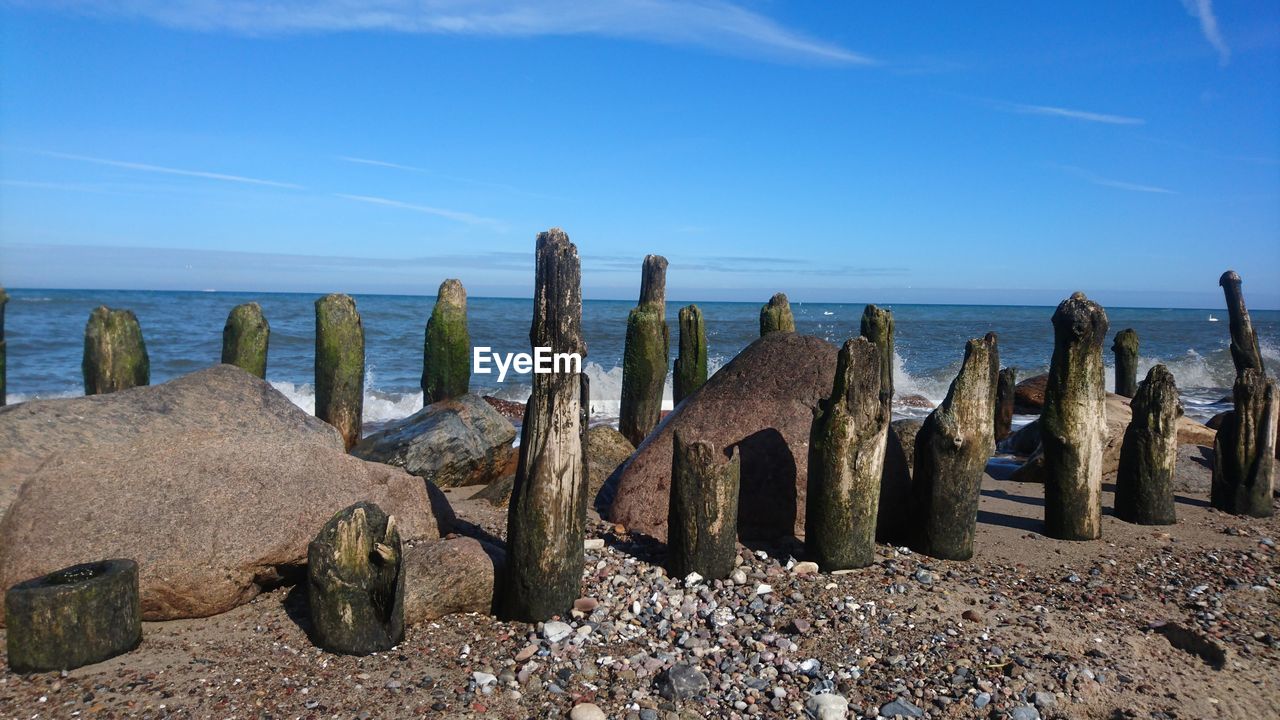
(455, 215)
(1075, 114)
(1202, 10)
(144, 167)
(1118, 184)
(714, 24)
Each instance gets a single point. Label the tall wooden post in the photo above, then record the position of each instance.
(1126, 350)
(691, 365)
(644, 357)
(115, 355)
(245, 339)
(340, 366)
(775, 316)
(702, 516)
(446, 351)
(1149, 452)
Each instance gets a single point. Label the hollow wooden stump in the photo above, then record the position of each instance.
(1149, 453)
(355, 582)
(245, 339)
(76, 616)
(115, 355)
(702, 517)
(446, 351)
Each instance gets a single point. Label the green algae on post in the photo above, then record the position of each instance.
(340, 366)
(702, 515)
(446, 351)
(644, 356)
(245, 339)
(691, 365)
(355, 582)
(115, 355)
(775, 316)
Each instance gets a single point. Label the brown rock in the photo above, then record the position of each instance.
(1028, 396)
(510, 409)
(455, 575)
(915, 401)
(606, 449)
(762, 402)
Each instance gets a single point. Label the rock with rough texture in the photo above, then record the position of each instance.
(340, 366)
(73, 617)
(1126, 349)
(115, 355)
(691, 365)
(452, 443)
(1244, 341)
(1149, 453)
(1073, 427)
(245, 339)
(682, 682)
(951, 451)
(702, 516)
(1005, 388)
(455, 575)
(644, 356)
(775, 316)
(446, 350)
(1028, 395)
(749, 404)
(355, 582)
(1245, 450)
(846, 460)
(214, 482)
(546, 517)
(827, 706)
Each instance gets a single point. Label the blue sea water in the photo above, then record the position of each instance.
(183, 332)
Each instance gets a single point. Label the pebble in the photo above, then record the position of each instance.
(1044, 699)
(681, 682)
(901, 708)
(593, 544)
(484, 679)
(555, 631)
(527, 652)
(805, 568)
(982, 700)
(827, 706)
(587, 711)
(1024, 712)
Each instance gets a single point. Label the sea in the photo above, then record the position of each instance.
(183, 331)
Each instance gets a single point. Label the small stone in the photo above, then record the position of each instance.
(1044, 700)
(924, 577)
(593, 544)
(587, 711)
(827, 706)
(982, 700)
(763, 589)
(585, 604)
(681, 682)
(692, 579)
(527, 652)
(805, 568)
(484, 679)
(972, 615)
(555, 631)
(1024, 712)
(901, 708)
(739, 577)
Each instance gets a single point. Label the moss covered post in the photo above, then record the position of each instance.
(340, 365)
(1244, 341)
(115, 355)
(245, 338)
(1245, 448)
(775, 316)
(951, 453)
(446, 352)
(355, 582)
(1006, 388)
(691, 365)
(846, 461)
(644, 357)
(895, 478)
(702, 516)
(1149, 452)
(1073, 424)
(1126, 350)
(546, 517)
(4, 300)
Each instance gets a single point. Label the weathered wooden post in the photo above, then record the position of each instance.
(4, 300)
(1245, 448)
(644, 357)
(546, 517)
(446, 351)
(702, 516)
(1244, 341)
(775, 316)
(1006, 388)
(895, 478)
(952, 449)
(846, 461)
(1149, 452)
(1073, 425)
(691, 365)
(877, 326)
(115, 355)
(340, 365)
(1126, 350)
(73, 617)
(355, 582)
(245, 339)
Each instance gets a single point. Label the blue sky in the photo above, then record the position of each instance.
(1002, 152)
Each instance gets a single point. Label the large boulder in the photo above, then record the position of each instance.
(452, 443)
(605, 450)
(762, 403)
(1028, 395)
(214, 483)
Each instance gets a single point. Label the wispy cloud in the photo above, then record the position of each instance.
(1118, 184)
(714, 24)
(1202, 10)
(1073, 114)
(462, 217)
(452, 178)
(383, 164)
(144, 167)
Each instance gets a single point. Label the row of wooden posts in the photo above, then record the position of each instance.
(851, 500)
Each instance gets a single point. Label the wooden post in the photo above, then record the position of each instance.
(1245, 448)
(702, 516)
(115, 355)
(775, 316)
(340, 366)
(952, 449)
(1126, 350)
(1149, 452)
(245, 338)
(846, 461)
(1006, 388)
(355, 582)
(1073, 421)
(644, 357)
(446, 351)
(546, 517)
(1244, 341)
(691, 365)
(4, 300)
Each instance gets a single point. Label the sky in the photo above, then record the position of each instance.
(996, 152)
